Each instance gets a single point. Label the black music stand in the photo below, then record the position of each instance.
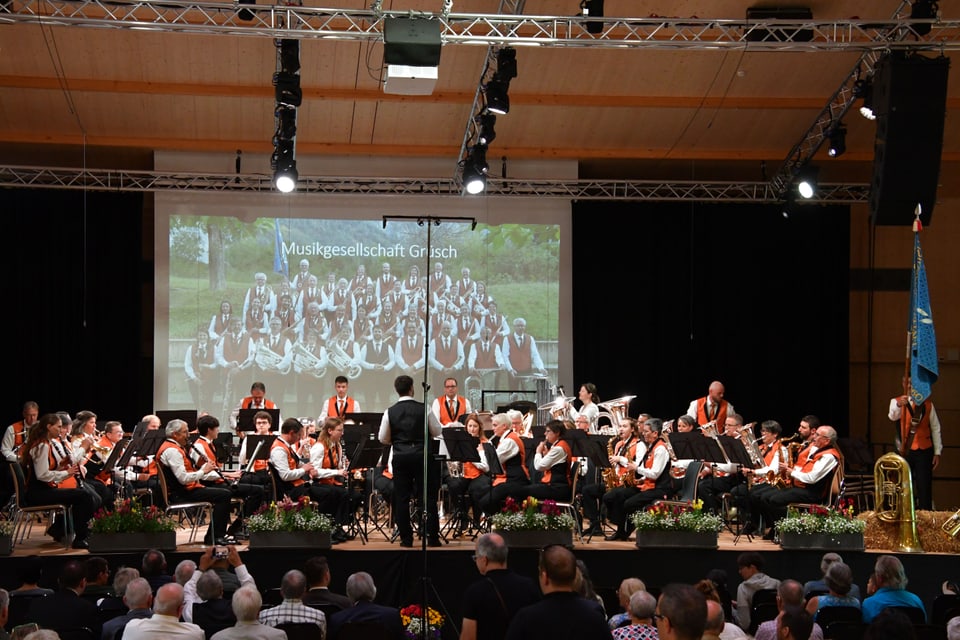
(187, 415)
(111, 462)
(366, 456)
(246, 422)
(264, 453)
(495, 469)
(461, 447)
(143, 445)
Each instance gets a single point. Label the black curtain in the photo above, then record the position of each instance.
(76, 307)
(669, 297)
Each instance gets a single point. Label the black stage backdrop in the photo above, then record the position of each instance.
(668, 297)
(75, 262)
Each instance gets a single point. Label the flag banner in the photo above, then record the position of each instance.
(924, 369)
(280, 264)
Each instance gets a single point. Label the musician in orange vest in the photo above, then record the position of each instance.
(712, 407)
(339, 405)
(16, 434)
(811, 476)
(652, 475)
(52, 480)
(259, 474)
(450, 406)
(515, 480)
(289, 458)
(331, 466)
(552, 460)
(919, 438)
(717, 479)
(184, 484)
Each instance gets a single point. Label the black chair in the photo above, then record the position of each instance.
(17, 612)
(363, 631)
(916, 615)
(76, 633)
(930, 631)
(271, 597)
(300, 630)
(842, 630)
(328, 608)
(763, 607)
(23, 513)
(828, 615)
(942, 604)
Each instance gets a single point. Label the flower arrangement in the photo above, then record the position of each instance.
(818, 519)
(532, 515)
(412, 617)
(677, 517)
(6, 527)
(130, 516)
(289, 516)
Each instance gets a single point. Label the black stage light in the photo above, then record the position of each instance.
(838, 140)
(487, 132)
(924, 10)
(286, 118)
(592, 9)
(475, 170)
(287, 88)
(506, 64)
(498, 101)
(289, 50)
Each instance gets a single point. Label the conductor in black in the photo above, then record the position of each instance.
(403, 427)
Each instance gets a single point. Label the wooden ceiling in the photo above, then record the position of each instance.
(620, 112)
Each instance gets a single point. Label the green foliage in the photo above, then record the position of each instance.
(129, 516)
(668, 517)
(822, 520)
(289, 516)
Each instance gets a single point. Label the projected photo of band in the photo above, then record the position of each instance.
(296, 303)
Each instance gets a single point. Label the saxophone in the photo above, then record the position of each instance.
(610, 478)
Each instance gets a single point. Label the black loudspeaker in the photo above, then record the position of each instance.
(413, 42)
(909, 99)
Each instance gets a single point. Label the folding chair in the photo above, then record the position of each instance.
(22, 520)
(195, 512)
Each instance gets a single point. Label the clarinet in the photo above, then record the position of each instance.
(62, 450)
(202, 460)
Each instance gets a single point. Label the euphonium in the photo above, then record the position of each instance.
(952, 524)
(305, 361)
(893, 488)
(344, 363)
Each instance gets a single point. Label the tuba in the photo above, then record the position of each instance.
(268, 360)
(615, 411)
(304, 361)
(894, 500)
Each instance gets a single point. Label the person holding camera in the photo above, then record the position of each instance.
(204, 601)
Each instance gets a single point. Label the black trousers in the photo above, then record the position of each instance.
(614, 500)
(921, 473)
(408, 478)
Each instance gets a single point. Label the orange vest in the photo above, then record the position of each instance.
(650, 483)
(19, 433)
(547, 476)
(70, 482)
(104, 476)
(459, 405)
(332, 407)
(187, 462)
(208, 452)
(331, 460)
(810, 461)
(500, 479)
(720, 416)
(292, 462)
(267, 404)
(922, 438)
(626, 449)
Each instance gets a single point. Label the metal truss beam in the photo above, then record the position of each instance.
(279, 21)
(633, 190)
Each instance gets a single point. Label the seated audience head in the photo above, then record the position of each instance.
(681, 612)
(246, 604)
(154, 563)
(628, 587)
(169, 600)
(839, 578)
(790, 594)
(828, 559)
(491, 552)
(715, 618)
(953, 628)
(360, 587)
(43, 634)
(317, 571)
(73, 576)
(641, 605)
(794, 623)
(749, 563)
(888, 572)
(184, 571)
(209, 585)
(293, 585)
(122, 579)
(138, 594)
(890, 624)
(558, 569)
(30, 570)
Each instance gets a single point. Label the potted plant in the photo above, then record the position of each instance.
(412, 618)
(671, 524)
(6, 537)
(533, 523)
(818, 527)
(286, 524)
(131, 526)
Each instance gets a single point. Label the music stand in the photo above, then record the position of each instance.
(140, 429)
(246, 422)
(367, 455)
(264, 453)
(144, 445)
(368, 419)
(187, 415)
(111, 462)
(582, 446)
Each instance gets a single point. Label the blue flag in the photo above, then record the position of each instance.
(280, 264)
(924, 369)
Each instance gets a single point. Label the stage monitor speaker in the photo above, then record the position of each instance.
(909, 99)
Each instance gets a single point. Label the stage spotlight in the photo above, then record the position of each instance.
(592, 9)
(506, 64)
(924, 10)
(806, 182)
(246, 14)
(286, 123)
(487, 132)
(475, 170)
(285, 179)
(838, 140)
(289, 55)
(864, 89)
(498, 101)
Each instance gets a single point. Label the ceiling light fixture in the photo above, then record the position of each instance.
(592, 9)
(487, 133)
(838, 140)
(864, 89)
(924, 10)
(807, 182)
(475, 170)
(498, 101)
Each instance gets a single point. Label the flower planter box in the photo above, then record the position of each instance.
(136, 542)
(536, 539)
(289, 539)
(827, 541)
(6, 545)
(677, 539)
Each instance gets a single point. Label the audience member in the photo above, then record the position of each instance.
(817, 587)
(292, 587)
(246, 604)
(789, 596)
(715, 621)
(890, 584)
(4, 613)
(20, 632)
(728, 631)
(562, 613)
(838, 579)
(184, 570)
(98, 579)
(628, 587)
(641, 607)
(794, 623)
(114, 605)
(491, 602)
(29, 572)
(361, 591)
(317, 572)
(750, 566)
(203, 595)
(721, 582)
(138, 598)
(953, 628)
(890, 624)
(584, 586)
(165, 621)
(42, 634)
(153, 567)
(65, 609)
(681, 613)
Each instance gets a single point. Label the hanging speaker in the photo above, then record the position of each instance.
(909, 100)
